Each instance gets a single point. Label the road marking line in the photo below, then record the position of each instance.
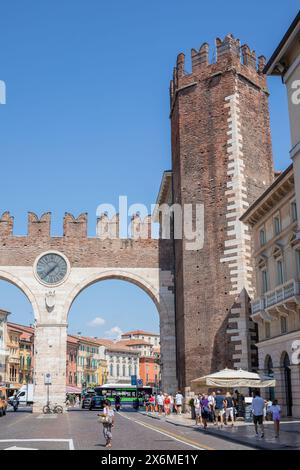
(177, 438)
(19, 448)
(70, 441)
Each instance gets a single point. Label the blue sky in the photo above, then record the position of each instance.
(87, 114)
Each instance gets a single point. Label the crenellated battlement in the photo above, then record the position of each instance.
(229, 55)
(141, 228)
(105, 249)
(6, 225)
(75, 228)
(106, 227)
(39, 226)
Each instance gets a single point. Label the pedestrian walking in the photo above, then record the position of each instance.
(160, 403)
(152, 403)
(197, 405)
(275, 409)
(229, 408)
(204, 410)
(258, 407)
(172, 403)
(178, 402)
(167, 403)
(219, 408)
(107, 418)
(147, 403)
(212, 404)
(117, 402)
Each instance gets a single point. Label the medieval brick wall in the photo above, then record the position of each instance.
(221, 156)
(81, 250)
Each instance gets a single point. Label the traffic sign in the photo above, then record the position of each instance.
(140, 382)
(47, 379)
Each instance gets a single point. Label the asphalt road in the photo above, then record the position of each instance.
(78, 429)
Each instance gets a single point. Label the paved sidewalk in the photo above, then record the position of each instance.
(243, 433)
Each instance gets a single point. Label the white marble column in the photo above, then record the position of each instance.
(50, 357)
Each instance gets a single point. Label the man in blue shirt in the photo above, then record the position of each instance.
(258, 408)
(219, 408)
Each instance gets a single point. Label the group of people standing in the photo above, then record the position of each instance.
(215, 407)
(221, 409)
(164, 403)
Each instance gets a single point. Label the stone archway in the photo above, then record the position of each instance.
(147, 280)
(146, 263)
(17, 282)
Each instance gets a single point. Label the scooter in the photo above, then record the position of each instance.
(15, 405)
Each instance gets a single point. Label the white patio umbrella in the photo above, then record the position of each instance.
(229, 378)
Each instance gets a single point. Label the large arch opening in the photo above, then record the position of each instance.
(17, 318)
(269, 371)
(121, 313)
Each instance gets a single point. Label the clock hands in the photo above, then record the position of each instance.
(50, 270)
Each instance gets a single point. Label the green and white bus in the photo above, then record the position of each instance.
(128, 393)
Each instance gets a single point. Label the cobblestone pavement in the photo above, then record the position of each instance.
(79, 429)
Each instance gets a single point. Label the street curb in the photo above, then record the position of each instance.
(254, 445)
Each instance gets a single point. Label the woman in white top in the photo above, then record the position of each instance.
(275, 409)
(108, 423)
(197, 405)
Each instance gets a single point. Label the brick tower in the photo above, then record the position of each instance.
(222, 158)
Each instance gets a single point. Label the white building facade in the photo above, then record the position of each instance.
(276, 308)
(122, 364)
(285, 62)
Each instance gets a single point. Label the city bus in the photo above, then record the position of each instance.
(128, 393)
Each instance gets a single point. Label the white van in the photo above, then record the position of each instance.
(25, 395)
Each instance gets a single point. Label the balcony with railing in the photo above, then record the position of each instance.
(14, 360)
(280, 301)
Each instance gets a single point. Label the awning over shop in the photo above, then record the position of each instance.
(75, 390)
(229, 378)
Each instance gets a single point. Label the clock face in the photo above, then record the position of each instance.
(51, 268)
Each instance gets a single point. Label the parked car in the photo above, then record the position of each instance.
(3, 405)
(97, 403)
(86, 400)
